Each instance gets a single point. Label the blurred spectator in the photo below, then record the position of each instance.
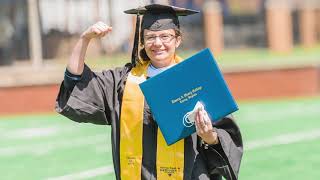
(192, 25)
(225, 7)
(190, 4)
(6, 32)
(20, 24)
(197, 4)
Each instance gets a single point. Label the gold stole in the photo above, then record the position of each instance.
(170, 159)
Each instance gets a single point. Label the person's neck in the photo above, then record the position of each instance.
(163, 64)
(153, 71)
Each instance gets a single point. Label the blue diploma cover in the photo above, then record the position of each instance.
(173, 94)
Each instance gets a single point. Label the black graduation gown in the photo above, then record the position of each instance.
(96, 99)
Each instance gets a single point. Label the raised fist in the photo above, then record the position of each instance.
(98, 30)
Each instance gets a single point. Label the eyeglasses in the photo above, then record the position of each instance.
(164, 38)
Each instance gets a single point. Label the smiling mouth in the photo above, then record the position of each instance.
(158, 51)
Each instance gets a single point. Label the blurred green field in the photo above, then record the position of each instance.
(281, 140)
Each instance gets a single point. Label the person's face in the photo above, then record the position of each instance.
(160, 46)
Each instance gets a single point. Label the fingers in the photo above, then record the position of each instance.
(96, 30)
(197, 122)
(204, 127)
(201, 120)
(99, 30)
(203, 123)
(200, 123)
(207, 119)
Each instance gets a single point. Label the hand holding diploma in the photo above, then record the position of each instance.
(204, 127)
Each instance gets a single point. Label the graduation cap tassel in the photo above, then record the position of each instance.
(134, 55)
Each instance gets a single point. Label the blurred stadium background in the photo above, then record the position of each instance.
(269, 51)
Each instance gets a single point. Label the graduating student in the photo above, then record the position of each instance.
(112, 97)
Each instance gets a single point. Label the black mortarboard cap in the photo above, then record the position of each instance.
(156, 17)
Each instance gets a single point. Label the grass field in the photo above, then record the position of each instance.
(281, 137)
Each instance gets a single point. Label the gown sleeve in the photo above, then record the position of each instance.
(93, 97)
(225, 158)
